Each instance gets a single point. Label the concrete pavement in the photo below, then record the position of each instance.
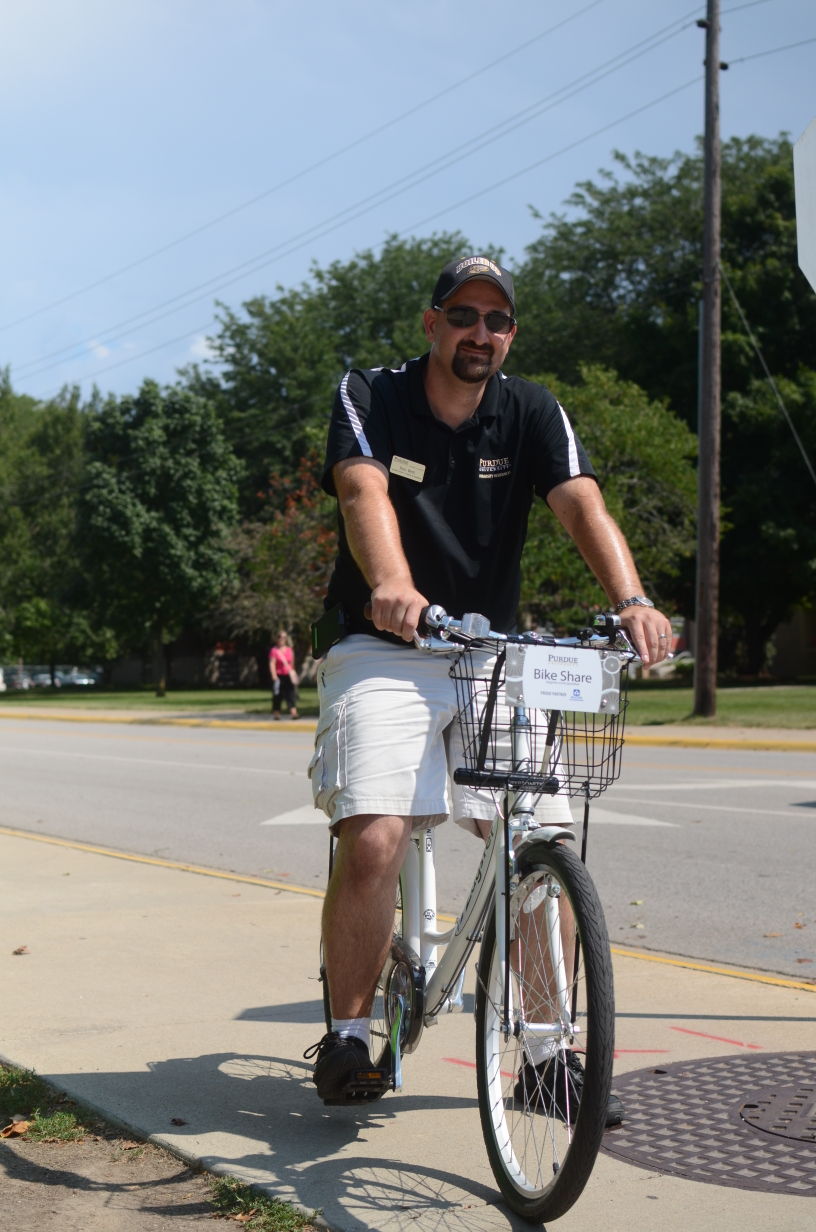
(179, 1003)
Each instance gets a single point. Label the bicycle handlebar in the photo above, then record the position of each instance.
(438, 631)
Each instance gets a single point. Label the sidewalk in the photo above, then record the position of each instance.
(180, 1004)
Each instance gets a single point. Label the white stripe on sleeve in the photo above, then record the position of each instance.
(572, 450)
(354, 418)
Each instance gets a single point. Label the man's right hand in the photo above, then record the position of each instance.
(396, 608)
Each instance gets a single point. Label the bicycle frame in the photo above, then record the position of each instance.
(491, 886)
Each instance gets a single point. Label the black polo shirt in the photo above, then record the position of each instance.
(462, 496)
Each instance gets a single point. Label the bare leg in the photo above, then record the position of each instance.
(358, 914)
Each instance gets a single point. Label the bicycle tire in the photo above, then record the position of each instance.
(540, 1163)
(380, 1026)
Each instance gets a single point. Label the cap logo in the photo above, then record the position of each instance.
(478, 264)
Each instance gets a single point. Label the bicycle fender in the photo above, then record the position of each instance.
(545, 834)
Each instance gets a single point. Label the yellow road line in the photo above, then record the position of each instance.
(662, 741)
(755, 976)
(149, 720)
(201, 871)
(720, 742)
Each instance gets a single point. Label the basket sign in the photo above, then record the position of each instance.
(563, 678)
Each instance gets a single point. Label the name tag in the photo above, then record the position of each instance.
(407, 469)
(563, 678)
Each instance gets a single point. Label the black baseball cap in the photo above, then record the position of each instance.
(460, 271)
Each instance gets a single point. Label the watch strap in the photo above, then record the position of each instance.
(634, 601)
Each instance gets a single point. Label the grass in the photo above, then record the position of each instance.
(252, 702)
(739, 705)
(53, 1117)
(652, 703)
(231, 1199)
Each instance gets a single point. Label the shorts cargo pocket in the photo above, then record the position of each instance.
(325, 769)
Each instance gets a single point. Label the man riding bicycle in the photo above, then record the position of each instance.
(434, 467)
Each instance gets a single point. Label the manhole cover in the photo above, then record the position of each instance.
(787, 1112)
(689, 1119)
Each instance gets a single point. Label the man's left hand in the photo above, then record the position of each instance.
(650, 632)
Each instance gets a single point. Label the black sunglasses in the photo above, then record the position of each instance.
(462, 317)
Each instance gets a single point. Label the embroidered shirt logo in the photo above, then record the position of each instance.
(494, 468)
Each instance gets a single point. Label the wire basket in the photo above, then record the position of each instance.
(570, 752)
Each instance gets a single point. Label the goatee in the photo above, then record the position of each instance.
(471, 368)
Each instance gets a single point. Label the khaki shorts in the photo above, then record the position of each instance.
(387, 739)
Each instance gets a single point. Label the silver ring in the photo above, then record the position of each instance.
(662, 637)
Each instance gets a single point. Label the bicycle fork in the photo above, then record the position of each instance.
(519, 824)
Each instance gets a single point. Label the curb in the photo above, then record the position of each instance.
(770, 744)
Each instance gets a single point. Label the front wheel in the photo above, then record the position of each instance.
(543, 1119)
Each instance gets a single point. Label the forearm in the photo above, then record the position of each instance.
(579, 506)
(605, 550)
(374, 539)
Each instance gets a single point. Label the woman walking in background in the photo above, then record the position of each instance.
(284, 676)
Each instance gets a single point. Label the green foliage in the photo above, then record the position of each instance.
(232, 1199)
(768, 554)
(281, 359)
(41, 469)
(643, 455)
(617, 282)
(46, 631)
(23, 1095)
(158, 503)
(283, 561)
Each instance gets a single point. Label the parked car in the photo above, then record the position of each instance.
(17, 678)
(43, 680)
(77, 678)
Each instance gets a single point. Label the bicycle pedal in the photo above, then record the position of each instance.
(363, 1087)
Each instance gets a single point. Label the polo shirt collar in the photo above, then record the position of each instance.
(487, 409)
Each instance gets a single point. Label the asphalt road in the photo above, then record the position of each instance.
(706, 853)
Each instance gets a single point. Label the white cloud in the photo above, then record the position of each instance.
(201, 349)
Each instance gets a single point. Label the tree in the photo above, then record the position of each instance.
(618, 283)
(643, 455)
(283, 561)
(769, 548)
(41, 467)
(279, 360)
(158, 504)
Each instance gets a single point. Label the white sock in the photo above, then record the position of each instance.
(538, 1053)
(357, 1028)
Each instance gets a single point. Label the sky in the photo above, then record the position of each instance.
(157, 156)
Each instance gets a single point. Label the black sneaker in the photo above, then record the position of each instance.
(343, 1073)
(556, 1086)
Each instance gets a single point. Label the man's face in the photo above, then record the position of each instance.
(473, 354)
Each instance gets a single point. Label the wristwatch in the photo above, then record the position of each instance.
(635, 601)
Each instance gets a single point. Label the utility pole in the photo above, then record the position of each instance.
(708, 474)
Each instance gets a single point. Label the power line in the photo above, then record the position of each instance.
(315, 166)
(774, 387)
(364, 205)
(351, 212)
(548, 158)
(772, 51)
(505, 178)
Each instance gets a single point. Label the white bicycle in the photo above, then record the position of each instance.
(544, 992)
